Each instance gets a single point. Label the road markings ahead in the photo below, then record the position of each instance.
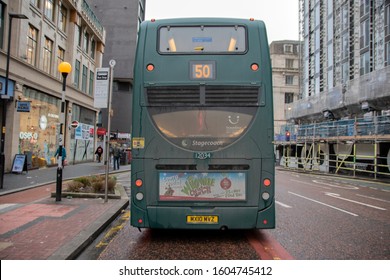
(335, 195)
(370, 197)
(319, 202)
(283, 205)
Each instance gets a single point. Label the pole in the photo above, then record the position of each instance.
(60, 140)
(65, 69)
(112, 64)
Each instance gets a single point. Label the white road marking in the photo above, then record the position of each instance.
(373, 198)
(283, 205)
(310, 184)
(335, 195)
(319, 202)
(347, 187)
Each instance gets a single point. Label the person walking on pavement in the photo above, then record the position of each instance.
(117, 155)
(63, 155)
(99, 152)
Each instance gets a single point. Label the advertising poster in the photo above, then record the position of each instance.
(202, 186)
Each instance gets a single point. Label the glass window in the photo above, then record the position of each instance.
(62, 18)
(78, 35)
(289, 63)
(84, 79)
(39, 128)
(49, 9)
(288, 48)
(60, 58)
(202, 39)
(47, 55)
(387, 53)
(86, 42)
(387, 20)
(364, 63)
(91, 80)
(32, 45)
(202, 129)
(289, 79)
(76, 80)
(364, 34)
(36, 3)
(93, 48)
(364, 7)
(288, 97)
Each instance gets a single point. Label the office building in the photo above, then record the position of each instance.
(55, 31)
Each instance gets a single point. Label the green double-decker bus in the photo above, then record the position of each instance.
(202, 126)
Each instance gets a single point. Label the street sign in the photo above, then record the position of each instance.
(74, 124)
(101, 87)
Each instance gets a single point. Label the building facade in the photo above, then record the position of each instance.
(54, 31)
(121, 19)
(346, 55)
(285, 59)
(342, 122)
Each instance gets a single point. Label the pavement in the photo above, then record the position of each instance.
(34, 226)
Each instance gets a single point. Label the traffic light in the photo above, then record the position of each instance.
(287, 135)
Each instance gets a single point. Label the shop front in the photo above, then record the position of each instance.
(39, 128)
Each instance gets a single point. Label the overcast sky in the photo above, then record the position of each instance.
(280, 16)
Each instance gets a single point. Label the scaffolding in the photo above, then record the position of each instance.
(359, 146)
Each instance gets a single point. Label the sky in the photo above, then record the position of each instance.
(280, 16)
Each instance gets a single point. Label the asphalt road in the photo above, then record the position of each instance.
(327, 217)
(318, 217)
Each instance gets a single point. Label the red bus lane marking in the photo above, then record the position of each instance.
(266, 247)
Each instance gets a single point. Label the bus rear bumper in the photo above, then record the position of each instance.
(203, 217)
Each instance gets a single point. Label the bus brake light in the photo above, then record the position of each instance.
(267, 182)
(138, 183)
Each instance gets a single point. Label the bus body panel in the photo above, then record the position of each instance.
(154, 153)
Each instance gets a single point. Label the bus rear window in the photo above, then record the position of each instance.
(202, 39)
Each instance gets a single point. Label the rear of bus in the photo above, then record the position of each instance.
(202, 126)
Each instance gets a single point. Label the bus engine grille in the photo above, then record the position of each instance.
(203, 96)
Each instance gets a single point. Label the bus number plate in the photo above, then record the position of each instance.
(202, 219)
(202, 70)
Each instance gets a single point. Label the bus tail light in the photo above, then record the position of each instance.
(267, 182)
(150, 67)
(265, 195)
(140, 221)
(138, 183)
(255, 67)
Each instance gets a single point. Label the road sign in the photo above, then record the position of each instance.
(75, 124)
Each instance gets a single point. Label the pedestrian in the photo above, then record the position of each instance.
(63, 155)
(117, 156)
(98, 153)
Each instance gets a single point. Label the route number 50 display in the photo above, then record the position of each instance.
(202, 70)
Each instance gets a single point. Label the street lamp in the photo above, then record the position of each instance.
(64, 68)
(5, 96)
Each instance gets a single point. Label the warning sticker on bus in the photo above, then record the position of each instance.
(138, 143)
(229, 186)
